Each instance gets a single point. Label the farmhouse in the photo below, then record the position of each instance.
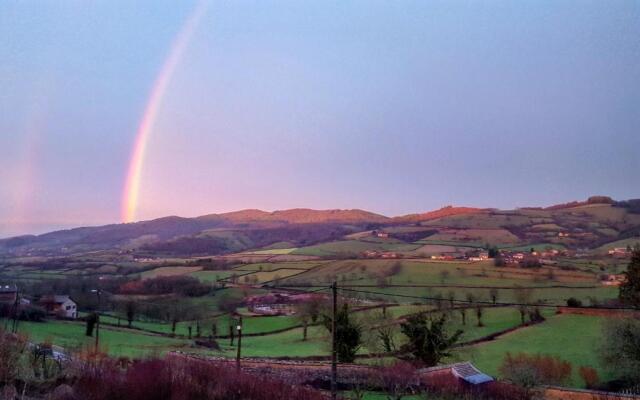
(380, 234)
(619, 252)
(613, 279)
(59, 305)
(8, 293)
(389, 254)
(477, 255)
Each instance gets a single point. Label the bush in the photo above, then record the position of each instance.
(12, 348)
(25, 312)
(398, 380)
(620, 348)
(528, 371)
(589, 376)
(177, 378)
(32, 313)
(573, 302)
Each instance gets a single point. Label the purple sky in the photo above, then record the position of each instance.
(394, 107)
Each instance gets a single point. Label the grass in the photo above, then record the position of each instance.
(494, 320)
(267, 266)
(535, 246)
(574, 338)
(285, 344)
(117, 342)
(211, 276)
(354, 246)
(169, 271)
(273, 251)
(267, 276)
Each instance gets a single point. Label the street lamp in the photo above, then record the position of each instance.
(239, 329)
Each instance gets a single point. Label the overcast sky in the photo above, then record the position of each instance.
(393, 107)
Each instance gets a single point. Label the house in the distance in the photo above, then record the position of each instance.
(620, 252)
(59, 305)
(477, 255)
(8, 293)
(613, 279)
(380, 234)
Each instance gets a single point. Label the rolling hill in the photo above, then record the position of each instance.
(584, 224)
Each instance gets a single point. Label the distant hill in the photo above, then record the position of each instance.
(299, 216)
(591, 223)
(443, 212)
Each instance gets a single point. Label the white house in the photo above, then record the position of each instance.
(60, 306)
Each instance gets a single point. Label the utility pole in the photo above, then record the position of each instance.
(334, 358)
(97, 291)
(239, 327)
(16, 303)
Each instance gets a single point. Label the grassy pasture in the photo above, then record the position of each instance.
(534, 246)
(169, 271)
(354, 246)
(267, 276)
(273, 251)
(211, 276)
(119, 342)
(557, 296)
(304, 265)
(573, 338)
(502, 236)
(453, 243)
(250, 325)
(427, 272)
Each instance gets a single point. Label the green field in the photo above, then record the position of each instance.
(273, 251)
(354, 247)
(574, 338)
(118, 342)
(211, 276)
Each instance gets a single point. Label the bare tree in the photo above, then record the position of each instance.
(494, 293)
(523, 298)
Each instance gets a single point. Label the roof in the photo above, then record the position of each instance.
(8, 288)
(57, 299)
(467, 372)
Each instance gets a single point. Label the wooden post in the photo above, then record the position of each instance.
(98, 322)
(16, 304)
(334, 354)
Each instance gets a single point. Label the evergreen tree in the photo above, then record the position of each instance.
(630, 289)
(348, 334)
(428, 339)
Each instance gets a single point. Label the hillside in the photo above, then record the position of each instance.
(584, 224)
(298, 216)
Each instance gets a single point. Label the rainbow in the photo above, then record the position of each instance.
(132, 184)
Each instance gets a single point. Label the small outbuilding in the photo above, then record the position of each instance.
(8, 293)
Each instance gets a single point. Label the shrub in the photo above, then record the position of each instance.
(620, 348)
(590, 376)
(528, 371)
(573, 302)
(11, 349)
(175, 378)
(398, 380)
